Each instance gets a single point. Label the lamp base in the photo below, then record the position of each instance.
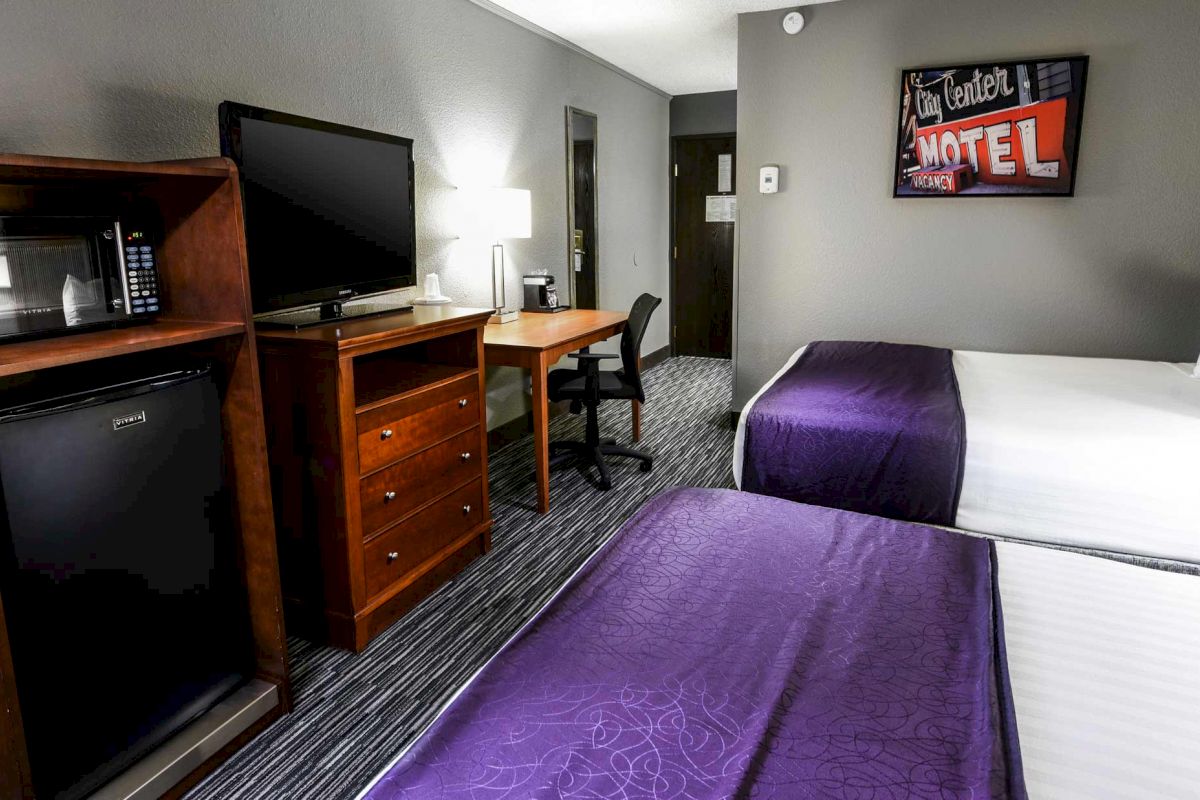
(500, 316)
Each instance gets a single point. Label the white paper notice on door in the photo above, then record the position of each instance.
(720, 208)
(725, 172)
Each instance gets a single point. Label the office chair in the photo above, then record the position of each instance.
(588, 385)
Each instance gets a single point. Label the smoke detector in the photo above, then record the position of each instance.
(793, 23)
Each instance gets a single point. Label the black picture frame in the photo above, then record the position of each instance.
(1036, 87)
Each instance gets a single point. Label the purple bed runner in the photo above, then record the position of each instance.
(864, 426)
(726, 644)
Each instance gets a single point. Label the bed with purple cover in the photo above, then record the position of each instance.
(865, 426)
(1096, 454)
(727, 644)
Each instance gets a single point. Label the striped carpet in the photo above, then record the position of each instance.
(353, 714)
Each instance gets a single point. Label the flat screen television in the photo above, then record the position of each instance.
(329, 209)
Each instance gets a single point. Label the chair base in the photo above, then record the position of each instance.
(563, 452)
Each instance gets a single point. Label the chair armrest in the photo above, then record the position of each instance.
(589, 364)
(585, 357)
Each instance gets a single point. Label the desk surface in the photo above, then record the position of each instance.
(533, 331)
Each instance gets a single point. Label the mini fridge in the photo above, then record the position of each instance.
(125, 612)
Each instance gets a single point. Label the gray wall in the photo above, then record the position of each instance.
(483, 98)
(1115, 271)
(706, 112)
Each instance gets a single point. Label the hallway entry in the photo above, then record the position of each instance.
(703, 181)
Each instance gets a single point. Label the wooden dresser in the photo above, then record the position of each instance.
(377, 438)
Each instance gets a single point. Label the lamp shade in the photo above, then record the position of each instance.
(499, 213)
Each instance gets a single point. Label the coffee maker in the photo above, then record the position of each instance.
(541, 295)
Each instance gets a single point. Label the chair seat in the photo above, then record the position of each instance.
(569, 384)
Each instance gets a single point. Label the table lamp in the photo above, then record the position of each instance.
(503, 214)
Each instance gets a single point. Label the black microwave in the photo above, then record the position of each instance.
(68, 274)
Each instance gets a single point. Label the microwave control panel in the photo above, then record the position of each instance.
(141, 274)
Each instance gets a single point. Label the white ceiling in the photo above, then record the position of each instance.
(678, 46)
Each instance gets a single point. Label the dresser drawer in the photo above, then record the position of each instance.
(395, 491)
(397, 551)
(388, 434)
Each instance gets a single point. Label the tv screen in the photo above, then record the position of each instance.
(329, 209)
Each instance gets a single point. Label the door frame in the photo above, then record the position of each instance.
(570, 143)
(673, 174)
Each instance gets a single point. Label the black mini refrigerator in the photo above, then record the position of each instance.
(124, 607)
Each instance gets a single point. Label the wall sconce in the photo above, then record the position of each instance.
(499, 214)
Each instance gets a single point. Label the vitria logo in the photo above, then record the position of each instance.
(136, 418)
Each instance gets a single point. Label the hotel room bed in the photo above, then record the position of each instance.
(731, 644)
(1089, 453)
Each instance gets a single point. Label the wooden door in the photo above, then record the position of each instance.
(584, 235)
(702, 270)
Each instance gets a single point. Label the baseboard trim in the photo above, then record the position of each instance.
(653, 359)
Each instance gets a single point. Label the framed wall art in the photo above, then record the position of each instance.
(999, 128)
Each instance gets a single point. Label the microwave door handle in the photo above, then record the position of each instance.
(122, 274)
(104, 270)
(110, 275)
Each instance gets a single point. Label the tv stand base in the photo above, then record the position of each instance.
(325, 314)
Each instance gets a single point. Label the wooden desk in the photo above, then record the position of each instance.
(535, 342)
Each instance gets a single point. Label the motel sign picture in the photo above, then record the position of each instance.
(1008, 128)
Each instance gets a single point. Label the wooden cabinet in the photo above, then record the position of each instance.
(206, 315)
(378, 448)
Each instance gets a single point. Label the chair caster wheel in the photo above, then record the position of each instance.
(646, 466)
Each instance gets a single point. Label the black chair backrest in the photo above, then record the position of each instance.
(631, 340)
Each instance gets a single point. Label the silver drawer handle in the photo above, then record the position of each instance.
(392, 556)
(464, 456)
(389, 497)
(462, 403)
(467, 509)
(386, 433)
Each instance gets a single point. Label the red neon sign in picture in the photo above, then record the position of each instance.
(1021, 145)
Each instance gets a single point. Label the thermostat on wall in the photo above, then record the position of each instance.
(768, 179)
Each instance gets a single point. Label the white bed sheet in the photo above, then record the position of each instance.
(1089, 452)
(1086, 452)
(1102, 660)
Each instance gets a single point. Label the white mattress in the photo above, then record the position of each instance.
(1087, 452)
(1103, 661)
